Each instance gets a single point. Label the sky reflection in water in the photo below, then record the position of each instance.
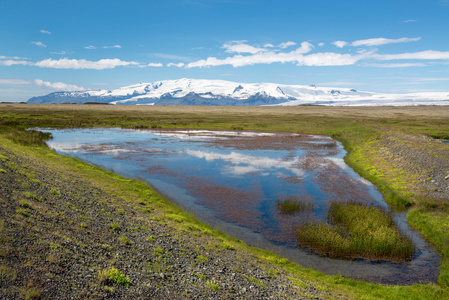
(233, 179)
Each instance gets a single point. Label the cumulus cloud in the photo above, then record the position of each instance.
(329, 59)
(53, 86)
(383, 41)
(45, 31)
(286, 44)
(179, 65)
(296, 56)
(305, 48)
(115, 46)
(241, 47)
(340, 44)
(65, 63)
(39, 44)
(155, 65)
(90, 47)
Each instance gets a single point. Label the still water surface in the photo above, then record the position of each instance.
(232, 180)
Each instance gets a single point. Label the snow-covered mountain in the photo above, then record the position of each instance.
(220, 92)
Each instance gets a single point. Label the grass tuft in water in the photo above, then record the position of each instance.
(355, 230)
(292, 204)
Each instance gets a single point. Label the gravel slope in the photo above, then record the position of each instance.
(58, 232)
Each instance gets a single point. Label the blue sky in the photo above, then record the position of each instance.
(393, 46)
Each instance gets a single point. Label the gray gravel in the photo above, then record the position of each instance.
(58, 232)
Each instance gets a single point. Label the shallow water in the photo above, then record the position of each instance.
(232, 180)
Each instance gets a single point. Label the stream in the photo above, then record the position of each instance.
(231, 180)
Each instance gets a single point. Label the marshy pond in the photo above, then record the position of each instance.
(235, 180)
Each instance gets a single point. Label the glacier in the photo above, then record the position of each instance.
(220, 92)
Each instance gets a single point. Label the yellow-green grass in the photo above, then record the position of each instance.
(434, 225)
(291, 205)
(359, 129)
(356, 231)
(114, 276)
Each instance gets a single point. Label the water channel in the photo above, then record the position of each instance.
(231, 180)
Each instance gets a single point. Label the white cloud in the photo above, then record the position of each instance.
(179, 65)
(11, 57)
(155, 65)
(90, 47)
(321, 44)
(297, 56)
(429, 54)
(65, 63)
(409, 21)
(433, 79)
(383, 41)
(45, 31)
(340, 44)
(12, 62)
(240, 164)
(286, 44)
(329, 59)
(240, 47)
(405, 65)
(115, 46)
(59, 53)
(53, 86)
(57, 86)
(305, 48)
(13, 81)
(39, 44)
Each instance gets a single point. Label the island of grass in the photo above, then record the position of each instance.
(355, 230)
(292, 205)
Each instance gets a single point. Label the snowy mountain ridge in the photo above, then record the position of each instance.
(220, 92)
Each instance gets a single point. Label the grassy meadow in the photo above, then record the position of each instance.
(368, 134)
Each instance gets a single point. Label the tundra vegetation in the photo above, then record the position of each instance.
(292, 205)
(396, 148)
(356, 231)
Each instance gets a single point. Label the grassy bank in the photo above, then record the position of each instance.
(362, 132)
